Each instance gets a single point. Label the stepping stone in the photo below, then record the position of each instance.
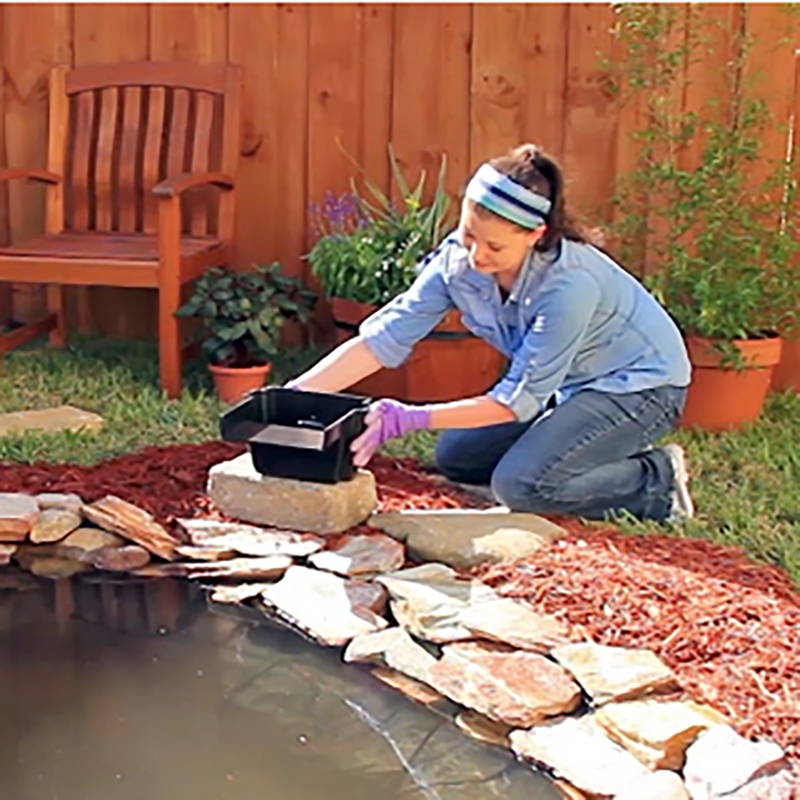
(615, 673)
(53, 524)
(579, 751)
(18, 512)
(50, 420)
(362, 555)
(465, 538)
(660, 785)
(318, 604)
(240, 491)
(392, 648)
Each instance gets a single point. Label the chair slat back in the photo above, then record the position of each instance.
(125, 136)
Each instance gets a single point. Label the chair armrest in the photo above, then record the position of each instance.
(172, 187)
(41, 175)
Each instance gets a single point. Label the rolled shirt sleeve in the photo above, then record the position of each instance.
(392, 331)
(541, 362)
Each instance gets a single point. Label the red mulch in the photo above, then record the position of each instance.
(728, 627)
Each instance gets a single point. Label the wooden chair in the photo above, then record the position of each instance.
(126, 141)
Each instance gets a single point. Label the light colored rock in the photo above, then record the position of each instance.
(18, 512)
(657, 733)
(67, 502)
(53, 524)
(483, 729)
(511, 686)
(133, 523)
(415, 690)
(194, 553)
(368, 594)
(59, 418)
(80, 543)
(722, 763)
(429, 600)
(513, 622)
(55, 568)
(661, 785)
(578, 750)
(6, 551)
(318, 604)
(466, 538)
(568, 792)
(247, 569)
(119, 559)
(238, 490)
(615, 673)
(362, 555)
(392, 648)
(250, 540)
(237, 594)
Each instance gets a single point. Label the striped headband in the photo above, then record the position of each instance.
(507, 198)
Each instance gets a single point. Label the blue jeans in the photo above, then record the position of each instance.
(588, 457)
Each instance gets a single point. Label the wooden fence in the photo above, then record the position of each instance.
(465, 80)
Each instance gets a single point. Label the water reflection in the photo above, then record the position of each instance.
(134, 689)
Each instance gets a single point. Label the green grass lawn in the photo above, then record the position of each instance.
(746, 484)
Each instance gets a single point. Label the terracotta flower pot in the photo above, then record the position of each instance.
(435, 371)
(233, 383)
(721, 398)
(787, 372)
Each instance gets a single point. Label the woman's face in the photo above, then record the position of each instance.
(494, 244)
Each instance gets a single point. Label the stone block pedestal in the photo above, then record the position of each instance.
(239, 490)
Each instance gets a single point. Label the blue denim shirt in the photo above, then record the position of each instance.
(573, 320)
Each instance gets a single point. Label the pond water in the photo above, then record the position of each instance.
(137, 691)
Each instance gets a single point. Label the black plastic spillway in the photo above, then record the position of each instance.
(295, 434)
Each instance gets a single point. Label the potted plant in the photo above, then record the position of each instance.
(720, 239)
(242, 314)
(367, 252)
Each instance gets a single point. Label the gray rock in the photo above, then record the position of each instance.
(318, 604)
(240, 491)
(429, 601)
(579, 750)
(18, 512)
(722, 763)
(68, 502)
(466, 538)
(615, 673)
(362, 555)
(392, 648)
(53, 524)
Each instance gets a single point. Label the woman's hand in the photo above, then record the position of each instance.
(385, 420)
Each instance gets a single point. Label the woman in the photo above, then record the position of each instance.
(598, 370)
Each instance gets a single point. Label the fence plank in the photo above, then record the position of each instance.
(107, 33)
(589, 127)
(189, 32)
(267, 41)
(35, 37)
(431, 98)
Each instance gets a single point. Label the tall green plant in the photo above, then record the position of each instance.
(369, 247)
(720, 242)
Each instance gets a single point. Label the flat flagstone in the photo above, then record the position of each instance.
(429, 600)
(483, 729)
(83, 541)
(18, 512)
(464, 538)
(657, 733)
(578, 750)
(392, 648)
(362, 555)
(54, 567)
(250, 540)
(722, 763)
(53, 524)
(513, 622)
(69, 501)
(661, 785)
(317, 603)
(615, 673)
(223, 593)
(511, 686)
(417, 691)
(59, 418)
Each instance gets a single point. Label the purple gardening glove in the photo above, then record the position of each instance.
(385, 420)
